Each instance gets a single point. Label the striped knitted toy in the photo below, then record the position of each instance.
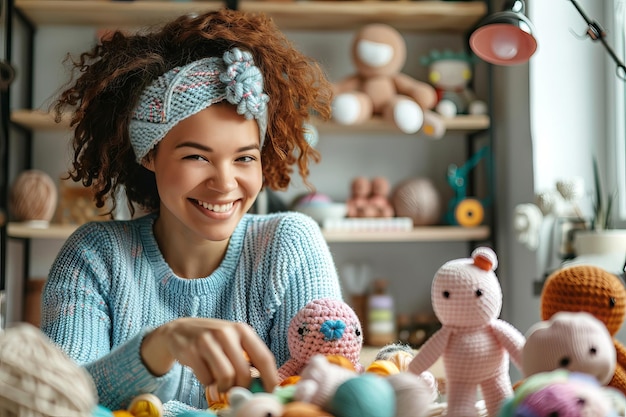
(323, 326)
(473, 343)
(596, 291)
(559, 393)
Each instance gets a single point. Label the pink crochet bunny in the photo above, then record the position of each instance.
(324, 326)
(473, 343)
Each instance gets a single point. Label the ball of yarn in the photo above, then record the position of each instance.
(33, 196)
(413, 394)
(38, 380)
(366, 395)
(418, 199)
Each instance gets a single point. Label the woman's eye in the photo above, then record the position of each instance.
(195, 157)
(246, 158)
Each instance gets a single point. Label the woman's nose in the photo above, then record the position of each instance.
(223, 179)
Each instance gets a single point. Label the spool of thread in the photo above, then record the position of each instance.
(381, 325)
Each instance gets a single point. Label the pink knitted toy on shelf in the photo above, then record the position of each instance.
(323, 326)
(474, 344)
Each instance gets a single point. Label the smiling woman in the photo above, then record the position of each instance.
(206, 111)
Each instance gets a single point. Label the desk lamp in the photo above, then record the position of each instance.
(506, 37)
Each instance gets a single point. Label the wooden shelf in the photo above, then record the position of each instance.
(377, 125)
(39, 120)
(425, 15)
(420, 234)
(53, 231)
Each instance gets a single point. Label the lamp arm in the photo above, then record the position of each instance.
(596, 32)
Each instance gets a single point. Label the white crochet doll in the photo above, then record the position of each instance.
(474, 344)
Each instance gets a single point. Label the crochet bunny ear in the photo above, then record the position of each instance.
(485, 258)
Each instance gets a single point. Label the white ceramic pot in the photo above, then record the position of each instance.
(587, 242)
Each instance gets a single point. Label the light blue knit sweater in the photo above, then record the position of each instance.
(110, 285)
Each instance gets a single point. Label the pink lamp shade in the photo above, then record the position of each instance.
(505, 38)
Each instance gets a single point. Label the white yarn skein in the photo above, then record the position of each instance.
(38, 380)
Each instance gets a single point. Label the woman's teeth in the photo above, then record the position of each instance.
(218, 208)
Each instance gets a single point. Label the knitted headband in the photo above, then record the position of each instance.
(185, 91)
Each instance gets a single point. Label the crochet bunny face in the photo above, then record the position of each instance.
(327, 327)
(466, 292)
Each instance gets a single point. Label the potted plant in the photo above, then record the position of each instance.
(572, 233)
(600, 237)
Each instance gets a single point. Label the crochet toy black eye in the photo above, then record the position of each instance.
(593, 351)
(446, 294)
(612, 302)
(564, 362)
(301, 331)
(479, 292)
(357, 332)
(554, 414)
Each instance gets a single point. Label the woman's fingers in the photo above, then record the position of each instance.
(218, 352)
(260, 357)
(226, 359)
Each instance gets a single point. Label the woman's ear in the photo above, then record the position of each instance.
(148, 162)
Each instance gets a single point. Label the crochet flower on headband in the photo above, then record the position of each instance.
(184, 91)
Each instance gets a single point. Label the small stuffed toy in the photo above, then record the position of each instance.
(323, 326)
(451, 73)
(319, 380)
(369, 198)
(577, 342)
(245, 403)
(593, 290)
(473, 343)
(379, 199)
(380, 88)
(358, 203)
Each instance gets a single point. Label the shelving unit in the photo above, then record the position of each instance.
(298, 15)
(424, 16)
(39, 120)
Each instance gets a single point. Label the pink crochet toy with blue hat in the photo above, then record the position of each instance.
(473, 342)
(326, 327)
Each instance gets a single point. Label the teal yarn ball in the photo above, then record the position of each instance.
(366, 395)
(197, 413)
(101, 411)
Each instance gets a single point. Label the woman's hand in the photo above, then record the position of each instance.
(216, 350)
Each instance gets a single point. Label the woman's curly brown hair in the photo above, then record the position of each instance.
(112, 75)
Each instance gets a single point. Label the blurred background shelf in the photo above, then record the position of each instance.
(294, 15)
(419, 234)
(40, 120)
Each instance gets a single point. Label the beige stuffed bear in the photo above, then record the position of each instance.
(379, 87)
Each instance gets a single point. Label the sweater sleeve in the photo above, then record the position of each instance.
(76, 316)
(302, 270)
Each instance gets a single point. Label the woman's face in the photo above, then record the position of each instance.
(208, 171)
